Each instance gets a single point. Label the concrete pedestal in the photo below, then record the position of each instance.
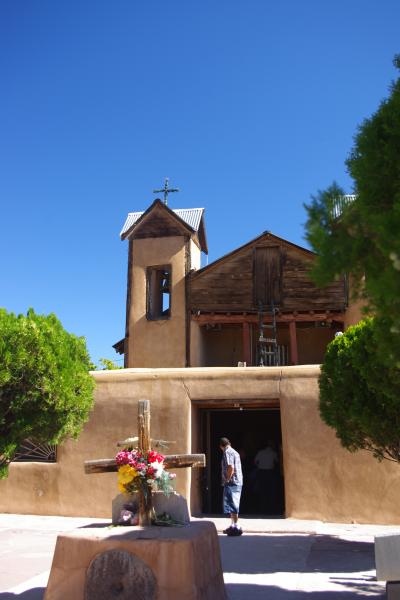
(177, 563)
(387, 557)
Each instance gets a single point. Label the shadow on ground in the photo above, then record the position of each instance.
(322, 567)
(256, 554)
(272, 592)
(33, 594)
(95, 525)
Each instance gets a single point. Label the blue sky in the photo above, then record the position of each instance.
(249, 108)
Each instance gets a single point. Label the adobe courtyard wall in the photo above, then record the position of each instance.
(322, 480)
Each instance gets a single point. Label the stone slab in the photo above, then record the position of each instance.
(174, 504)
(387, 557)
(185, 561)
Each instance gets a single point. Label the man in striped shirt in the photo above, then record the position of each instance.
(232, 480)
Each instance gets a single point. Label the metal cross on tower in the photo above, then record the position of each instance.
(165, 190)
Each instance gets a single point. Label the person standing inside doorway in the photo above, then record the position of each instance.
(266, 461)
(232, 481)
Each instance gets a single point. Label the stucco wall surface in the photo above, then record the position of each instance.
(322, 480)
(355, 310)
(354, 313)
(162, 342)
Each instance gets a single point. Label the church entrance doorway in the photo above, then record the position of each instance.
(249, 430)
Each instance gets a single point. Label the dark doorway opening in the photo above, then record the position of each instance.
(249, 430)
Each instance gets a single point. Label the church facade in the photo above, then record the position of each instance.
(256, 306)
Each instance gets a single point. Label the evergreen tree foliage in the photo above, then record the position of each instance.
(360, 377)
(46, 391)
(108, 365)
(359, 392)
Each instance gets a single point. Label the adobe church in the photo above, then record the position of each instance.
(231, 349)
(256, 305)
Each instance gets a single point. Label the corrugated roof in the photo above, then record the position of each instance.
(191, 216)
(341, 202)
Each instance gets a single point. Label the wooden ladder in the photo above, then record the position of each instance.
(267, 346)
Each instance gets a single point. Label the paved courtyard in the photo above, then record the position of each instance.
(275, 559)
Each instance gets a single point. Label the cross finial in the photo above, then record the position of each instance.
(165, 190)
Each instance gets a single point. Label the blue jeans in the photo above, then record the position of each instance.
(231, 499)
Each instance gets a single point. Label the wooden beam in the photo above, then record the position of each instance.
(171, 461)
(144, 425)
(294, 355)
(243, 404)
(246, 353)
(146, 510)
(133, 442)
(178, 461)
(223, 318)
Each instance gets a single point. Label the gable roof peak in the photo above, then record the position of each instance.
(192, 219)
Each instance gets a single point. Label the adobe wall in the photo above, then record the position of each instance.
(355, 310)
(354, 313)
(322, 480)
(197, 345)
(162, 342)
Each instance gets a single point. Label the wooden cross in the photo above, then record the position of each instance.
(165, 190)
(171, 461)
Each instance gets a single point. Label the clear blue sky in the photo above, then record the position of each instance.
(249, 108)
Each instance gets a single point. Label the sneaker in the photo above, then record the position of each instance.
(228, 530)
(235, 531)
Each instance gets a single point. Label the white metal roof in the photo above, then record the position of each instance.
(191, 216)
(340, 204)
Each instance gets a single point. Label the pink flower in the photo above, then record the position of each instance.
(123, 458)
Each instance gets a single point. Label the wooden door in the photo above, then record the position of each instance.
(267, 276)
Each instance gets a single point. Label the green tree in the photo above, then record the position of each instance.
(359, 393)
(360, 377)
(46, 391)
(108, 365)
(364, 240)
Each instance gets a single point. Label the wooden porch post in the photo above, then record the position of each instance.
(294, 356)
(246, 353)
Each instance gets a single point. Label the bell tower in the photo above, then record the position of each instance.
(164, 246)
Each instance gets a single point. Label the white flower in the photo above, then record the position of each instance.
(158, 468)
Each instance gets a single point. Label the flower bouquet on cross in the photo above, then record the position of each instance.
(143, 472)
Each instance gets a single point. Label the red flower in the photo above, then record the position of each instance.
(150, 472)
(153, 456)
